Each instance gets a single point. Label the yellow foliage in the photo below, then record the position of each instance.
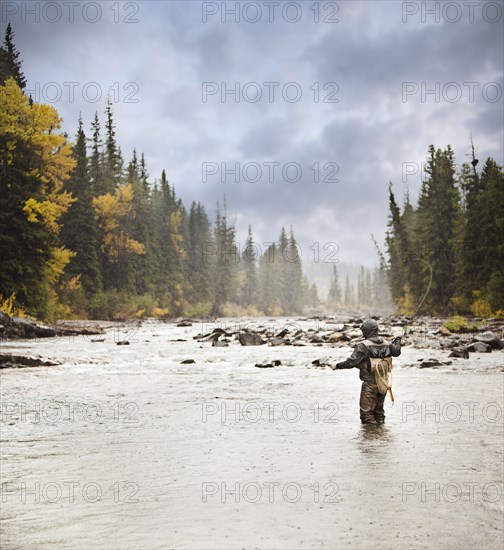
(111, 210)
(8, 306)
(32, 127)
(481, 308)
(405, 304)
(159, 312)
(140, 314)
(60, 258)
(174, 223)
(277, 311)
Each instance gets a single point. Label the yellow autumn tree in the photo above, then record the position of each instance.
(112, 212)
(36, 161)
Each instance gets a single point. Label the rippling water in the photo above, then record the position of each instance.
(125, 447)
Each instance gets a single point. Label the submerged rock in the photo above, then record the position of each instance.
(268, 364)
(187, 362)
(430, 363)
(220, 344)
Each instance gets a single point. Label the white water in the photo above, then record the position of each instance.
(432, 477)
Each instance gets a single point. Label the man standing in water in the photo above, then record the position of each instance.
(374, 346)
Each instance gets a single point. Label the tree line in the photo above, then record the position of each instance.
(83, 232)
(445, 255)
(371, 290)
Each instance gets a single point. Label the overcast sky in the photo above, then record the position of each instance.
(375, 58)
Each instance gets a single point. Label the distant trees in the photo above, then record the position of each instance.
(82, 232)
(455, 233)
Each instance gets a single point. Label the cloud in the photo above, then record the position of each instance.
(369, 132)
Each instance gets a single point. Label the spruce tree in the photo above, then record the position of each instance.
(79, 232)
(335, 295)
(250, 260)
(226, 260)
(10, 64)
(437, 218)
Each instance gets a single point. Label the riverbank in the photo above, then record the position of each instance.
(482, 336)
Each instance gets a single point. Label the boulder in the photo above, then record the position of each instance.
(479, 347)
(7, 360)
(278, 342)
(250, 339)
(460, 352)
(187, 362)
(491, 339)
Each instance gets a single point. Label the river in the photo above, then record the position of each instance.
(125, 447)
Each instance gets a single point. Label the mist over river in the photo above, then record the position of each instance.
(126, 447)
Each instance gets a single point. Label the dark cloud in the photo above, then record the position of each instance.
(370, 133)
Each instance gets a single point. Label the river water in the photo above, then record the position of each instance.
(125, 447)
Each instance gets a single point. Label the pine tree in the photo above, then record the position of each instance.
(112, 158)
(348, 292)
(171, 267)
(250, 259)
(96, 159)
(437, 218)
(492, 234)
(10, 64)
(269, 287)
(294, 276)
(199, 254)
(335, 295)
(79, 232)
(226, 260)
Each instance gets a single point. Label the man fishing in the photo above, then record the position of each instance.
(373, 358)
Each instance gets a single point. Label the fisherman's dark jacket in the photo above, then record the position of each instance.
(373, 346)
